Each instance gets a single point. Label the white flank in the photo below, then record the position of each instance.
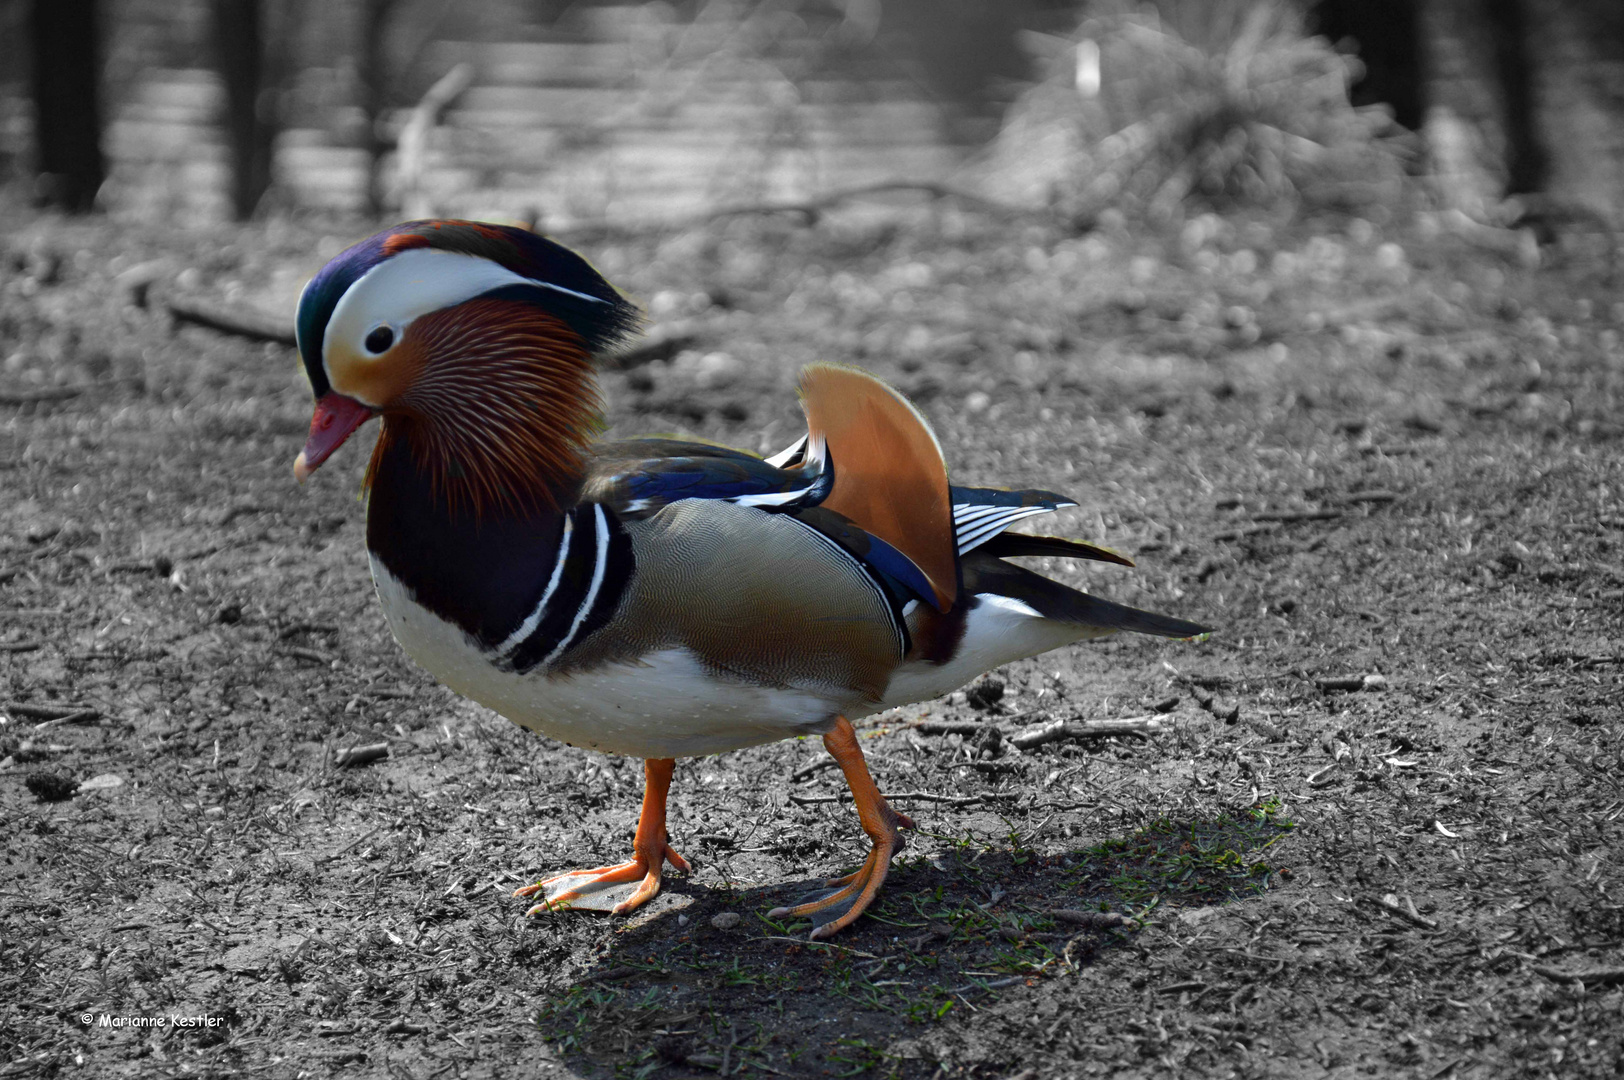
(665, 705)
(998, 630)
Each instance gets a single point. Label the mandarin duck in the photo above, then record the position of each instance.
(658, 597)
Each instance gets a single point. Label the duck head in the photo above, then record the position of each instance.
(474, 343)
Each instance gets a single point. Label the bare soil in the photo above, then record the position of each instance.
(1355, 454)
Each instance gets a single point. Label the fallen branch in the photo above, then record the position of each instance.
(414, 137)
(660, 343)
(240, 322)
(1142, 726)
(29, 397)
(809, 210)
(966, 728)
(1595, 977)
(908, 796)
(1298, 515)
(21, 646)
(45, 712)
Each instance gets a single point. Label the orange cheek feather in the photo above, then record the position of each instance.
(376, 381)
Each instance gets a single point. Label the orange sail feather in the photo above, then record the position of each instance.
(890, 478)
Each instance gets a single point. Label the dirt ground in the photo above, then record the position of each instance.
(1377, 834)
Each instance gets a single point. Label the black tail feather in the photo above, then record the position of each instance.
(1012, 545)
(1052, 600)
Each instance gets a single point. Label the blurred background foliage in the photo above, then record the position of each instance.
(570, 112)
(1218, 105)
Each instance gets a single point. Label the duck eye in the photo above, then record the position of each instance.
(379, 340)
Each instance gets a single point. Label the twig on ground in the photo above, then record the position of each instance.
(1297, 515)
(1250, 530)
(21, 646)
(360, 755)
(1181, 987)
(306, 654)
(401, 1027)
(1352, 682)
(1322, 777)
(1056, 730)
(83, 716)
(1393, 907)
(809, 771)
(818, 944)
(1095, 920)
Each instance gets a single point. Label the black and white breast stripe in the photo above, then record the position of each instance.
(593, 567)
(976, 523)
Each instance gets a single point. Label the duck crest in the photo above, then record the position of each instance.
(559, 280)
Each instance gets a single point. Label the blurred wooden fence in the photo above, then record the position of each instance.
(619, 119)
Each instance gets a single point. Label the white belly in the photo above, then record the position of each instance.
(998, 631)
(665, 705)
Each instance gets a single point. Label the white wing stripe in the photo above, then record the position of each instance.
(529, 625)
(966, 513)
(600, 563)
(788, 453)
(980, 532)
(772, 498)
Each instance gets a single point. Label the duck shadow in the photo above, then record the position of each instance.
(705, 979)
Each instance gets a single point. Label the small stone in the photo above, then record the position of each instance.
(49, 787)
(683, 920)
(984, 695)
(725, 920)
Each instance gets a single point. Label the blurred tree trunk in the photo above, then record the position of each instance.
(65, 41)
(1526, 159)
(239, 47)
(1388, 36)
(375, 79)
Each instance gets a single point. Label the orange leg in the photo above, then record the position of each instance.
(651, 850)
(883, 826)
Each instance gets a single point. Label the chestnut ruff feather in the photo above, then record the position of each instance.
(500, 409)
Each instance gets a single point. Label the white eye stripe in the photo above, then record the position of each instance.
(414, 283)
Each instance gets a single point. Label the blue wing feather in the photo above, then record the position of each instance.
(639, 476)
